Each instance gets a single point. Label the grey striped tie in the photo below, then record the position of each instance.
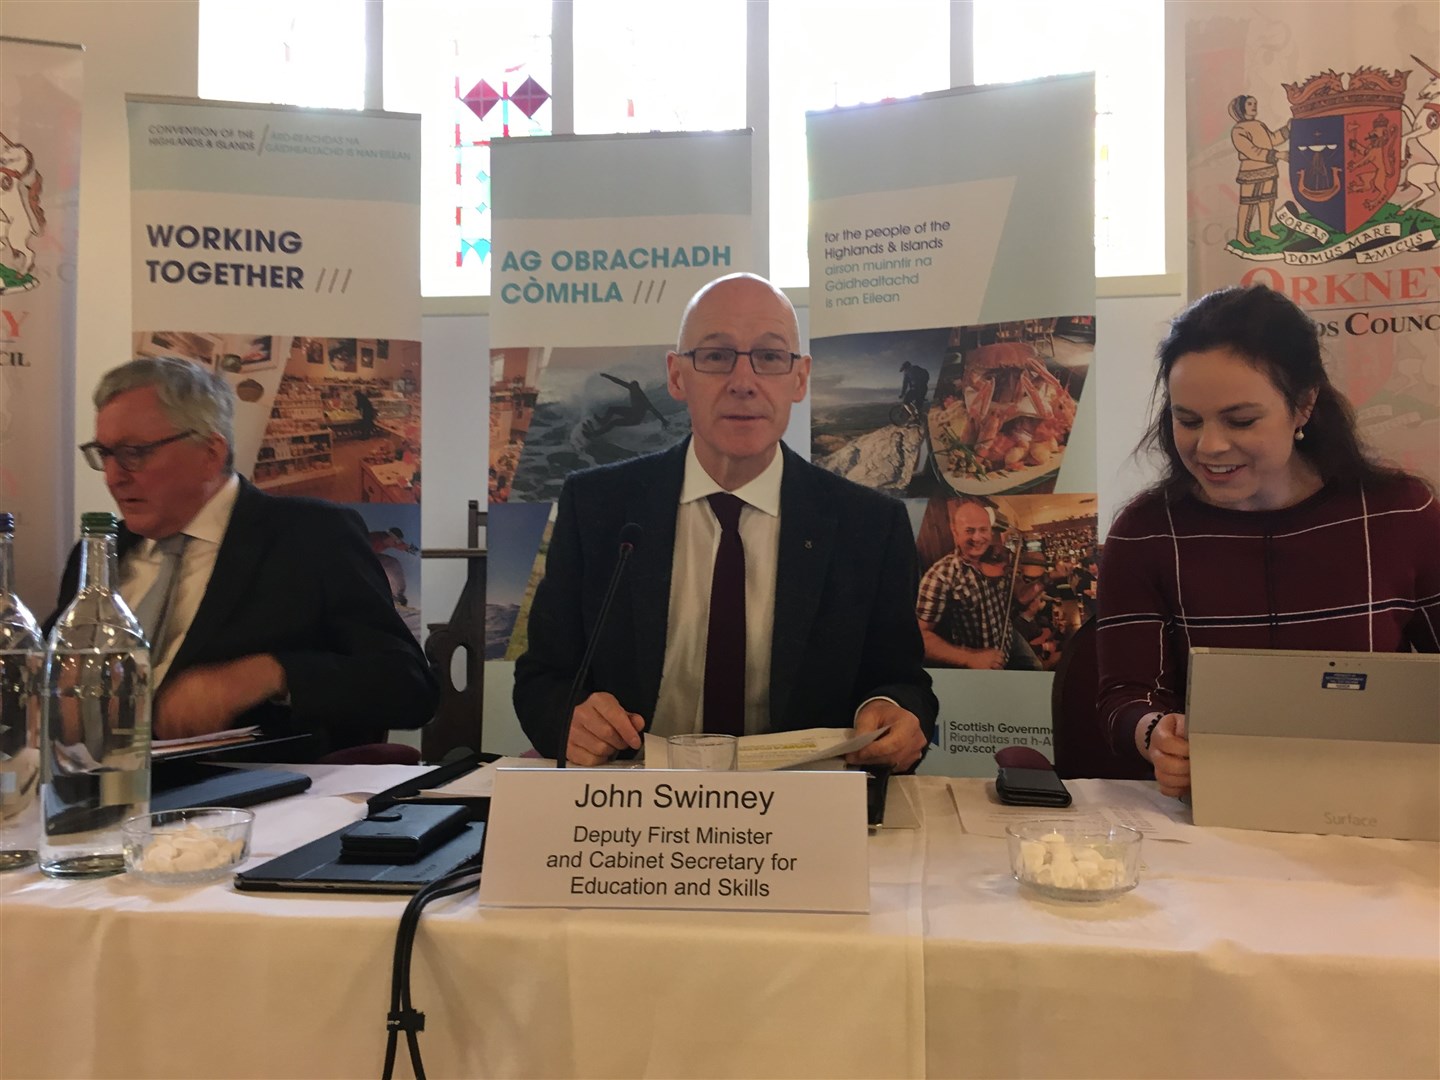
(154, 608)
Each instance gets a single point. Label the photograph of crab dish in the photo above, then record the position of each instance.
(1005, 403)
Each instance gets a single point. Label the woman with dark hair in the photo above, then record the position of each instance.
(1270, 528)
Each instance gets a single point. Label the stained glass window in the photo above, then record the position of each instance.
(310, 54)
(659, 65)
(474, 72)
(825, 53)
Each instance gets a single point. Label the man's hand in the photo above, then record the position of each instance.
(900, 747)
(940, 651)
(985, 659)
(210, 697)
(1170, 754)
(600, 729)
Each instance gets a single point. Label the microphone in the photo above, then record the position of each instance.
(630, 534)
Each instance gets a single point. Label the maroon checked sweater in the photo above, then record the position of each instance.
(1350, 568)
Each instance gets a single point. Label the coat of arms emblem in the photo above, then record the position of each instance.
(22, 217)
(1360, 162)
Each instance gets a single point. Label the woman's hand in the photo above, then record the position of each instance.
(1169, 752)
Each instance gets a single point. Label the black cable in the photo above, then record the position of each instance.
(403, 1016)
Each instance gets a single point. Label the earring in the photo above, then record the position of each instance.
(1299, 434)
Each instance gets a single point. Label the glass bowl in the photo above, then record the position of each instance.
(1066, 860)
(187, 847)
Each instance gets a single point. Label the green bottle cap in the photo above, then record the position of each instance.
(99, 523)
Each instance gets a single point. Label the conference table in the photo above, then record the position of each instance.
(1240, 954)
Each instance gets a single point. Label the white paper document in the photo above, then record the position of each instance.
(900, 812)
(214, 739)
(817, 748)
(229, 735)
(480, 784)
(812, 748)
(1097, 803)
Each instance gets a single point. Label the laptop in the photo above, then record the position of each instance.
(317, 867)
(1316, 742)
(203, 784)
(200, 776)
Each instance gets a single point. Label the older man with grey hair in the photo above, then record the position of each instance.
(260, 610)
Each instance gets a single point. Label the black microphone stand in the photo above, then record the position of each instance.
(630, 535)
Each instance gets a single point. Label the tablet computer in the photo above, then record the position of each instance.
(1315, 742)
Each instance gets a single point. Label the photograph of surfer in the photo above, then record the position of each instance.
(586, 406)
(630, 414)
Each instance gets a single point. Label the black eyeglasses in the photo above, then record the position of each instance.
(128, 456)
(714, 360)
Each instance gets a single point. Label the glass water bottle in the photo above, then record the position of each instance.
(95, 738)
(21, 657)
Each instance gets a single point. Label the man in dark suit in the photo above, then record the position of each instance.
(275, 610)
(829, 568)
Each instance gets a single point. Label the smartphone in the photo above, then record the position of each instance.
(1030, 787)
(402, 833)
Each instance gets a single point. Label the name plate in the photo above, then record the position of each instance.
(661, 838)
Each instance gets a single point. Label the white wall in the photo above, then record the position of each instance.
(1127, 331)
(455, 359)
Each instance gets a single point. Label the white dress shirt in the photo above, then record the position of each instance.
(680, 708)
(141, 566)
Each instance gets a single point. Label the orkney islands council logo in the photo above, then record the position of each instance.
(1360, 162)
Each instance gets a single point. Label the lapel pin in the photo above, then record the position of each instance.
(809, 544)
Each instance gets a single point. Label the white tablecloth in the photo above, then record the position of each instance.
(1240, 954)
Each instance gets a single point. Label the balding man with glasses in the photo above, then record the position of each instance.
(764, 594)
(259, 610)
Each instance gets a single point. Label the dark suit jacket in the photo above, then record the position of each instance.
(296, 578)
(844, 630)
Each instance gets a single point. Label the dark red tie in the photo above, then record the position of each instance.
(725, 642)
